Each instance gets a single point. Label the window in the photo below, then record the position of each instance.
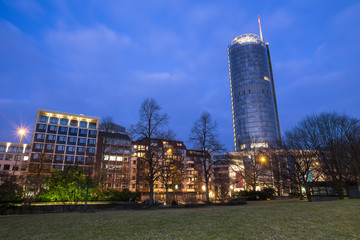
(83, 124)
(2, 148)
(83, 132)
(70, 149)
(39, 136)
(72, 140)
(9, 157)
(54, 120)
(6, 167)
(69, 159)
(57, 167)
(91, 142)
(52, 129)
(60, 148)
(59, 158)
(92, 133)
(91, 150)
(74, 123)
(63, 130)
(79, 159)
(80, 150)
(38, 146)
(43, 118)
(49, 147)
(82, 141)
(64, 121)
(61, 139)
(18, 158)
(73, 131)
(92, 125)
(26, 158)
(1, 156)
(12, 149)
(51, 137)
(40, 127)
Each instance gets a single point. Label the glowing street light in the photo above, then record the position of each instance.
(262, 159)
(21, 132)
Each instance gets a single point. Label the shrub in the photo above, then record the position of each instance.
(10, 192)
(190, 199)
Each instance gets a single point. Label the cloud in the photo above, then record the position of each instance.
(161, 77)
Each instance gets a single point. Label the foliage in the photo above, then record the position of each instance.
(10, 192)
(67, 186)
(124, 195)
(256, 195)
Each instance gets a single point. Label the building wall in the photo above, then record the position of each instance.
(61, 140)
(252, 94)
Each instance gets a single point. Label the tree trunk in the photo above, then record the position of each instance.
(167, 194)
(308, 193)
(207, 191)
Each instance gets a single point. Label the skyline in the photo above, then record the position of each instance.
(92, 58)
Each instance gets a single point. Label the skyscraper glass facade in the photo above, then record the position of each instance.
(254, 108)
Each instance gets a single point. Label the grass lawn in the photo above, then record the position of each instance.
(262, 220)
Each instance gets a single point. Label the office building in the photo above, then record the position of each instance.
(63, 140)
(253, 98)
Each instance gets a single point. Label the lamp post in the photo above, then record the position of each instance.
(20, 132)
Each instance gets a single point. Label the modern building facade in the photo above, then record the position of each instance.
(62, 140)
(253, 98)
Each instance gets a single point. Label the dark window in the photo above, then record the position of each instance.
(52, 129)
(83, 124)
(63, 130)
(70, 149)
(39, 137)
(91, 142)
(83, 132)
(61, 139)
(72, 140)
(38, 146)
(80, 160)
(43, 118)
(49, 147)
(59, 158)
(9, 157)
(60, 148)
(92, 125)
(18, 158)
(92, 133)
(6, 167)
(57, 167)
(1, 156)
(73, 131)
(91, 151)
(82, 141)
(41, 127)
(64, 121)
(74, 123)
(50, 138)
(80, 150)
(54, 120)
(69, 159)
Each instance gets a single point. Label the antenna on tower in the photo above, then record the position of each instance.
(261, 38)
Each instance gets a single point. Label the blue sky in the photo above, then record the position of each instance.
(103, 58)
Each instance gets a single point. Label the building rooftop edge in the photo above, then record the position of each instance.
(65, 113)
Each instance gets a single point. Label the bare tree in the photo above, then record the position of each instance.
(151, 125)
(323, 144)
(204, 137)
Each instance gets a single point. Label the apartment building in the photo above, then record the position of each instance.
(113, 157)
(63, 140)
(14, 160)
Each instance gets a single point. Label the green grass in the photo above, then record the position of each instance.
(265, 220)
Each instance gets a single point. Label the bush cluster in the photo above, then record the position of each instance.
(266, 193)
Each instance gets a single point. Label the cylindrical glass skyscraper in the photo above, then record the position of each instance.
(253, 99)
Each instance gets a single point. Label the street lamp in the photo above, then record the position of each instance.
(262, 159)
(21, 132)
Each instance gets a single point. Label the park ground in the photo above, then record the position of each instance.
(256, 220)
